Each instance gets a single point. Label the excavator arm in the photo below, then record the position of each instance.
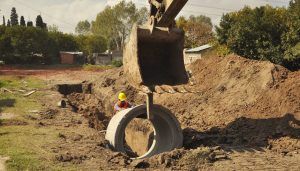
(165, 11)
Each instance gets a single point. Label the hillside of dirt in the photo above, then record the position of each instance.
(231, 104)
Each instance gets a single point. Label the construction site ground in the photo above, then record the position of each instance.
(236, 114)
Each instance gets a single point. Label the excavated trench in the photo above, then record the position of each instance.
(128, 131)
(66, 89)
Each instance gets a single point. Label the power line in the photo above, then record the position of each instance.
(187, 11)
(276, 1)
(197, 5)
(211, 7)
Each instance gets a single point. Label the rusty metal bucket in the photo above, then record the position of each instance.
(155, 58)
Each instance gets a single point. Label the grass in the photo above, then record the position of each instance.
(86, 67)
(89, 67)
(25, 145)
(18, 82)
(15, 102)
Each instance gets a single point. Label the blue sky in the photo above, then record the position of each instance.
(66, 13)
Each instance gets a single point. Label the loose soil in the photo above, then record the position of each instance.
(236, 114)
(232, 103)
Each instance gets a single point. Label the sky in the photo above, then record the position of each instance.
(67, 13)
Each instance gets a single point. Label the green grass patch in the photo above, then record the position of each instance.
(89, 67)
(15, 102)
(28, 148)
(19, 105)
(18, 82)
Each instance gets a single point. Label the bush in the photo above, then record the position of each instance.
(117, 63)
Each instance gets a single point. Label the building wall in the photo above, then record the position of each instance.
(103, 60)
(66, 58)
(191, 57)
(117, 55)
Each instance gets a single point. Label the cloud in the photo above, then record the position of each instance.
(67, 13)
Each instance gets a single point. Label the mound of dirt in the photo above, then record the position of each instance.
(233, 101)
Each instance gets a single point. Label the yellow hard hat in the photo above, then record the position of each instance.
(122, 96)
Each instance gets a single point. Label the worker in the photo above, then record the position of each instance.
(122, 103)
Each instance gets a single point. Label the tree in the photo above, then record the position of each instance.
(40, 23)
(90, 44)
(83, 27)
(22, 21)
(115, 23)
(291, 38)
(261, 33)
(3, 22)
(200, 19)
(53, 28)
(19, 45)
(198, 30)
(14, 17)
(142, 16)
(8, 23)
(181, 22)
(5, 44)
(29, 24)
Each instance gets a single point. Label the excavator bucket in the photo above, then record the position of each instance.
(155, 58)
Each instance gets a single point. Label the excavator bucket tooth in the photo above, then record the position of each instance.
(155, 58)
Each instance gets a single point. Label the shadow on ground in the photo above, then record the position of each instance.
(7, 103)
(245, 134)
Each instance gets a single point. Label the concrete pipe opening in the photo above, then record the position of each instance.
(167, 133)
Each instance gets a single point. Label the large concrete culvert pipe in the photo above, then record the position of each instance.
(167, 130)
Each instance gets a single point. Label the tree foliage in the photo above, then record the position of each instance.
(38, 44)
(29, 24)
(14, 17)
(263, 33)
(83, 27)
(90, 44)
(8, 23)
(40, 23)
(198, 30)
(22, 21)
(20, 44)
(3, 22)
(115, 23)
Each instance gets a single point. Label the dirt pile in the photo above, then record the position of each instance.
(233, 102)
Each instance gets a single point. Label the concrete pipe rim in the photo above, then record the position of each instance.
(164, 123)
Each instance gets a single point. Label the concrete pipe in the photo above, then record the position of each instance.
(167, 130)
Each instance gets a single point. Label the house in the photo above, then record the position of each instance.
(102, 58)
(107, 57)
(71, 57)
(191, 55)
(117, 55)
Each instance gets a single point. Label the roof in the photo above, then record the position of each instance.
(198, 49)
